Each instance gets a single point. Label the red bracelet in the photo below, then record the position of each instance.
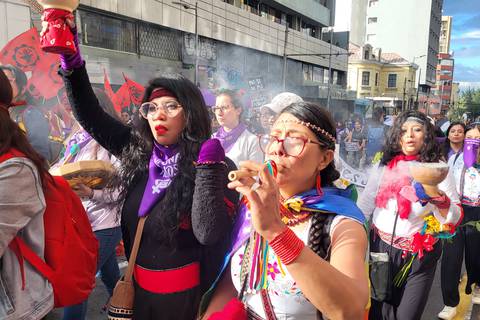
(287, 246)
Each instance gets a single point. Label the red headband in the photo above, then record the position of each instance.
(160, 92)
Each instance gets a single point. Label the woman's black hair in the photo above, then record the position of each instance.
(316, 115)
(135, 158)
(19, 75)
(430, 152)
(446, 145)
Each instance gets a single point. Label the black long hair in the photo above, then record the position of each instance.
(430, 152)
(446, 145)
(314, 114)
(135, 157)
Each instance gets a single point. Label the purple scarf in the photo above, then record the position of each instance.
(78, 141)
(161, 171)
(228, 139)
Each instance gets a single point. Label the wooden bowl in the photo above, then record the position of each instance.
(92, 173)
(429, 175)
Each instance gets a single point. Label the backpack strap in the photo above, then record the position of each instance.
(22, 250)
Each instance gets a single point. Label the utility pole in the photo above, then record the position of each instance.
(404, 93)
(329, 71)
(284, 72)
(187, 6)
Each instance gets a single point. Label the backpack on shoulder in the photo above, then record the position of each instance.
(71, 248)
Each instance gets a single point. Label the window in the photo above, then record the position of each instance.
(366, 55)
(372, 20)
(107, 32)
(371, 37)
(376, 79)
(372, 3)
(307, 72)
(365, 78)
(392, 80)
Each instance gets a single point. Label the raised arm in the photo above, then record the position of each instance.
(109, 132)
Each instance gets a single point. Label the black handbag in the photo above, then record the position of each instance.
(380, 269)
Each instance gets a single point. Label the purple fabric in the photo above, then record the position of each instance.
(470, 150)
(70, 62)
(451, 152)
(211, 150)
(161, 171)
(209, 97)
(78, 141)
(228, 139)
(440, 140)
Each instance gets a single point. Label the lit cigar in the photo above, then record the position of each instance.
(239, 174)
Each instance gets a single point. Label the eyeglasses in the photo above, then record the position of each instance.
(221, 108)
(171, 109)
(292, 146)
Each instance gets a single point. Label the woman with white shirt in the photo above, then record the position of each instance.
(399, 208)
(238, 142)
(466, 170)
(100, 204)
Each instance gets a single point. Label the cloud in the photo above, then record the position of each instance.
(472, 34)
(468, 85)
(467, 52)
(464, 73)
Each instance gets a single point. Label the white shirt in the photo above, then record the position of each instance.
(384, 218)
(246, 147)
(102, 210)
(470, 195)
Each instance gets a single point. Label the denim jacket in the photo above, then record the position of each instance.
(22, 205)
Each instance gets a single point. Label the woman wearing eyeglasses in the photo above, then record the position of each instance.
(238, 142)
(300, 244)
(172, 174)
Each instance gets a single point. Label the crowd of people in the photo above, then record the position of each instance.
(284, 238)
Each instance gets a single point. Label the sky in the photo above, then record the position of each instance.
(465, 41)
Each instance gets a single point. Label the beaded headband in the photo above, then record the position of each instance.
(314, 128)
(416, 119)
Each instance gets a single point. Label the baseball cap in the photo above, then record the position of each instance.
(281, 101)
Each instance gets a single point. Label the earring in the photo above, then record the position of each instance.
(319, 185)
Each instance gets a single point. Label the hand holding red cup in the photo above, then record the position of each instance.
(57, 18)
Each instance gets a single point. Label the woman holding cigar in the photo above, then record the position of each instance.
(300, 245)
(173, 180)
(406, 222)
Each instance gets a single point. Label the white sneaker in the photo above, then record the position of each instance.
(476, 295)
(448, 313)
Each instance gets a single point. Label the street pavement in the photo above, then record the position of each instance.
(434, 305)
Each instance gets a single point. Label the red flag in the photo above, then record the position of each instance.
(136, 91)
(122, 98)
(24, 53)
(108, 88)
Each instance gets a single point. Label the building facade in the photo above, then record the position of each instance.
(381, 79)
(444, 85)
(410, 28)
(351, 16)
(445, 34)
(241, 43)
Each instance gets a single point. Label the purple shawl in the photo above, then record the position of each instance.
(228, 139)
(161, 171)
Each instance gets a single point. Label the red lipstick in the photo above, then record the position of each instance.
(161, 130)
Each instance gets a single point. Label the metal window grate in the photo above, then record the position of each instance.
(158, 43)
(107, 32)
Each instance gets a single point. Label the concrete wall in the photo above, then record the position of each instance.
(309, 8)
(410, 28)
(351, 15)
(14, 19)
(224, 22)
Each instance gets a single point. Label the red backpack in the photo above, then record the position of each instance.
(71, 248)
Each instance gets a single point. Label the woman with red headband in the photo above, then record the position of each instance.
(406, 223)
(172, 174)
